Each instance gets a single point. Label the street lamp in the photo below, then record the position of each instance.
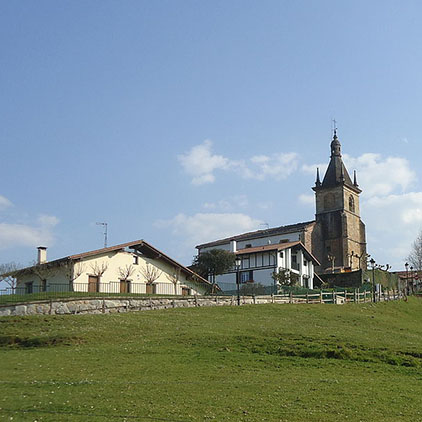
(372, 262)
(238, 262)
(407, 278)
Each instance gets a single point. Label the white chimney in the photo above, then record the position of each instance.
(233, 246)
(42, 254)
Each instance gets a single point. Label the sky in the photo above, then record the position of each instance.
(180, 122)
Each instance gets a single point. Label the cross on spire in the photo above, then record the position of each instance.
(334, 128)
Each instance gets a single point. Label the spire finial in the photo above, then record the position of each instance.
(355, 179)
(334, 128)
(318, 180)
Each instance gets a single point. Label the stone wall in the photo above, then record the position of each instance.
(113, 305)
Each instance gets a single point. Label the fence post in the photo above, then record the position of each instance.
(320, 297)
(334, 297)
(307, 297)
(291, 297)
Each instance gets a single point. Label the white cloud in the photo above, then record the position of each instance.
(277, 166)
(393, 222)
(205, 227)
(201, 164)
(238, 201)
(307, 199)
(12, 235)
(381, 176)
(4, 203)
(48, 220)
(312, 169)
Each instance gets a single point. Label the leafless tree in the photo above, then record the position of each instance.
(415, 256)
(150, 273)
(174, 278)
(7, 274)
(99, 269)
(125, 272)
(72, 271)
(43, 271)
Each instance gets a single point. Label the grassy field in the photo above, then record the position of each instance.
(253, 363)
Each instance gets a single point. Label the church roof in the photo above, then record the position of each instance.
(292, 228)
(336, 173)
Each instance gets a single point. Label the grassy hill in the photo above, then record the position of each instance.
(253, 363)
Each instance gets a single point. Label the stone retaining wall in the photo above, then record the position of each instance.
(110, 305)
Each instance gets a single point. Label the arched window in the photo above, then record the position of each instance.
(351, 203)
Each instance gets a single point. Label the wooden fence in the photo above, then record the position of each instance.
(334, 297)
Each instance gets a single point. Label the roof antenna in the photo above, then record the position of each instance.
(105, 232)
(265, 224)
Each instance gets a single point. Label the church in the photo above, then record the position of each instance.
(335, 241)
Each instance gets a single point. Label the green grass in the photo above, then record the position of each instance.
(253, 363)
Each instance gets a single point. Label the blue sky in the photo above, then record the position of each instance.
(183, 121)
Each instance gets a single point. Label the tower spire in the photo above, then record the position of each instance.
(355, 179)
(318, 180)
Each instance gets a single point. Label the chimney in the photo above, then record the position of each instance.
(232, 246)
(42, 254)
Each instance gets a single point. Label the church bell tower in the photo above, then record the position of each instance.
(339, 237)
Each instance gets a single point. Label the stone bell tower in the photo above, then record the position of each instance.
(339, 239)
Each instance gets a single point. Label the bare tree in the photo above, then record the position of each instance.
(150, 273)
(72, 271)
(43, 272)
(174, 278)
(99, 269)
(7, 274)
(125, 272)
(415, 256)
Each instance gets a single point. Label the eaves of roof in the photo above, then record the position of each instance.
(292, 228)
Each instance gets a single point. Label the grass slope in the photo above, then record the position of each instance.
(253, 363)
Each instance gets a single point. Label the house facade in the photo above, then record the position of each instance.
(133, 267)
(259, 260)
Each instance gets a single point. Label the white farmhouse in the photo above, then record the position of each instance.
(133, 267)
(266, 251)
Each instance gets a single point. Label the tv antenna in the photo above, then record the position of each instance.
(105, 232)
(265, 224)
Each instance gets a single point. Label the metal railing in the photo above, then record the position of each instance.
(116, 288)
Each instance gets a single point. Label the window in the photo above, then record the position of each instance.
(305, 263)
(284, 241)
(351, 203)
(28, 287)
(135, 260)
(44, 285)
(281, 254)
(249, 245)
(246, 276)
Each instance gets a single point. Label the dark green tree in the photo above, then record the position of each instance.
(213, 263)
